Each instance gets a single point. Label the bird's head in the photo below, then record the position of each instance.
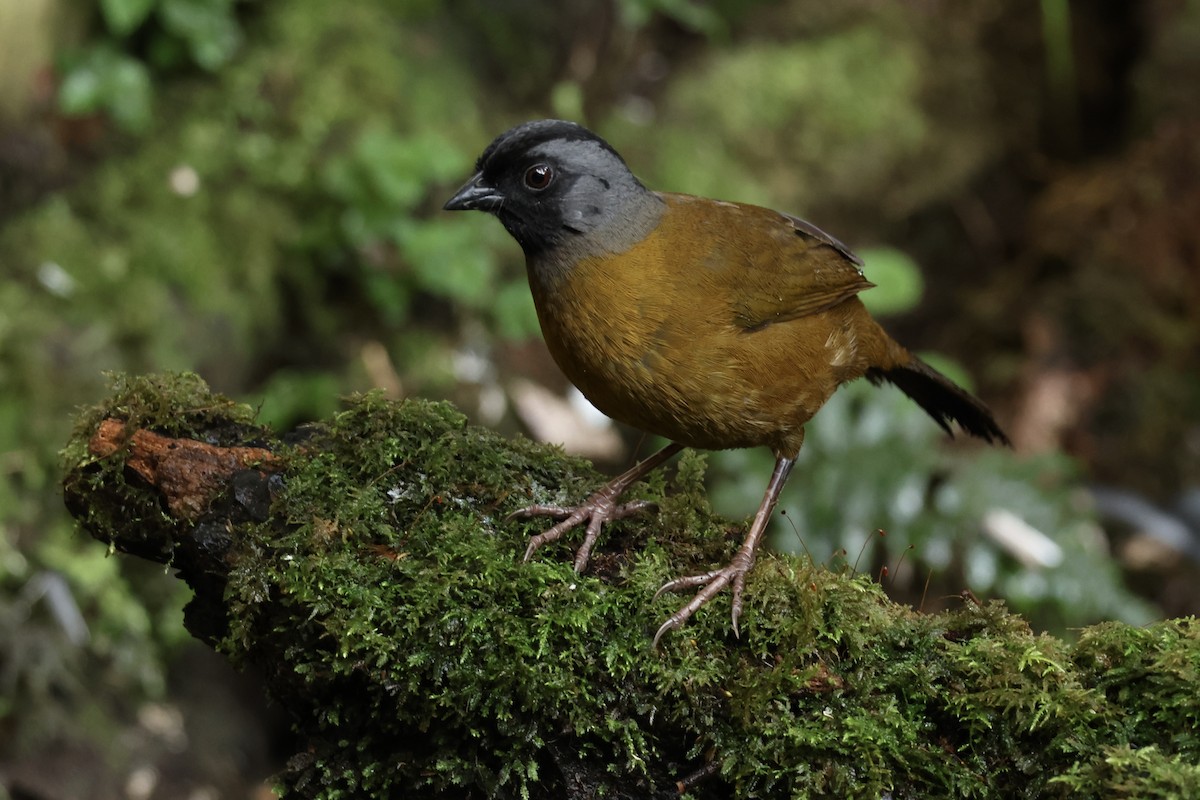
(553, 183)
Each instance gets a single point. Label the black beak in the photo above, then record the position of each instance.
(475, 195)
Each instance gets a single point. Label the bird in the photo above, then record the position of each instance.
(713, 324)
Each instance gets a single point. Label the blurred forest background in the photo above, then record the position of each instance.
(251, 190)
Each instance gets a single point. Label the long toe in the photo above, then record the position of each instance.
(735, 611)
(712, 583)
(589, 541)
(686, 582)
(632, 508)
(596, 511)
(554, 534)
(541, 511)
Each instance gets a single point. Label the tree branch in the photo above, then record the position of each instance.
(367, 568)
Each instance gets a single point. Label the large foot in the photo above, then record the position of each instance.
(597, 510)
(733, 573)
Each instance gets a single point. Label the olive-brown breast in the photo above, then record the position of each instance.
(728, 326)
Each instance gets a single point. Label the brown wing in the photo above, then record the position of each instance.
(812, 231)
(774, 266)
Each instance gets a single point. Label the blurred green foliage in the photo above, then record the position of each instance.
(847, 113)
(381, 183)
(105, 75)
(873, 461)
(897, 279)
(703, 18)
(778, 86)
(103, 78)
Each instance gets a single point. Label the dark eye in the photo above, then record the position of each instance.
(538, 177)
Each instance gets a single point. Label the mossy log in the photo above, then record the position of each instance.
(365, 566)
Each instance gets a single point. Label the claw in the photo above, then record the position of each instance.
(598, 509)
(732, 573)
(713, 582)
(602, 507)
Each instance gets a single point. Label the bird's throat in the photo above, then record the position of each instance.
(603, 236)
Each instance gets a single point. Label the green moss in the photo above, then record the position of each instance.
(1125, 773)
(388, 604)
(802, 121)
(174, 405)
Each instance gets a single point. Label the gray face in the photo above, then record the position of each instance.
(556, 186)
(594, 185)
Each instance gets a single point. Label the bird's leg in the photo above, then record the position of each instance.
(735, 571)
(601, 507)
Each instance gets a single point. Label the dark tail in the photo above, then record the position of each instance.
(942, 399)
